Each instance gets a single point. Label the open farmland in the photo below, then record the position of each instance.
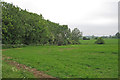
(87, 60)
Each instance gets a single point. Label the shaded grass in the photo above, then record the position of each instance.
(87, 60)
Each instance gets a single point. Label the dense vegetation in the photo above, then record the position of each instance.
(99, 41)
(22, 27)
(85, 38)
(117, 35)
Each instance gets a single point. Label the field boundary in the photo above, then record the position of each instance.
(36, 73)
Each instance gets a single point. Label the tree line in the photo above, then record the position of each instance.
(22, 27)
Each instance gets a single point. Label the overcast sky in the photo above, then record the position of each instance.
(92, 17)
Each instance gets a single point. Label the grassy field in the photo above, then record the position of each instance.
(87, 60)
(10, 71)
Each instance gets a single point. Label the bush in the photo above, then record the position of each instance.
(96, 37)
(5, 46)
(69, 41)
(85, 38)
(75, 42)
(99, 41)
(65, 43)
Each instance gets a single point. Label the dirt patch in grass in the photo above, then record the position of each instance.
(9, 49)
(4, 49)
(37, 74)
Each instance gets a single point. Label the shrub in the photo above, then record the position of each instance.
(69, 41)
(5, 46)
(65, 43)
(99, 41)
(96, 37)
(75, 42)
(85, 38)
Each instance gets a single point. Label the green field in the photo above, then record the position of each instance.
(9, 71)
(87, 60)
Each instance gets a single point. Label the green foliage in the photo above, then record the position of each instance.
(23, 27)
(99, 41)
(75, 42)
(85, 38)
(96, 38)
(117, 35)
(5, 46)
(76, 34)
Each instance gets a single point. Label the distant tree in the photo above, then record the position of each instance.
(99, 41)
(105, 36)
(85, 38)
(117, 35)
(96, 37)
(76, 34)
(110, 36)
(92, 36)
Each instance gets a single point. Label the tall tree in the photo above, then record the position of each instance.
(76, 34)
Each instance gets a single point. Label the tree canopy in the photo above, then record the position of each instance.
(117, 35)
(22, 27)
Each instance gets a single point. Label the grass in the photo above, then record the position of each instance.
(9, 71)
(87, 60)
